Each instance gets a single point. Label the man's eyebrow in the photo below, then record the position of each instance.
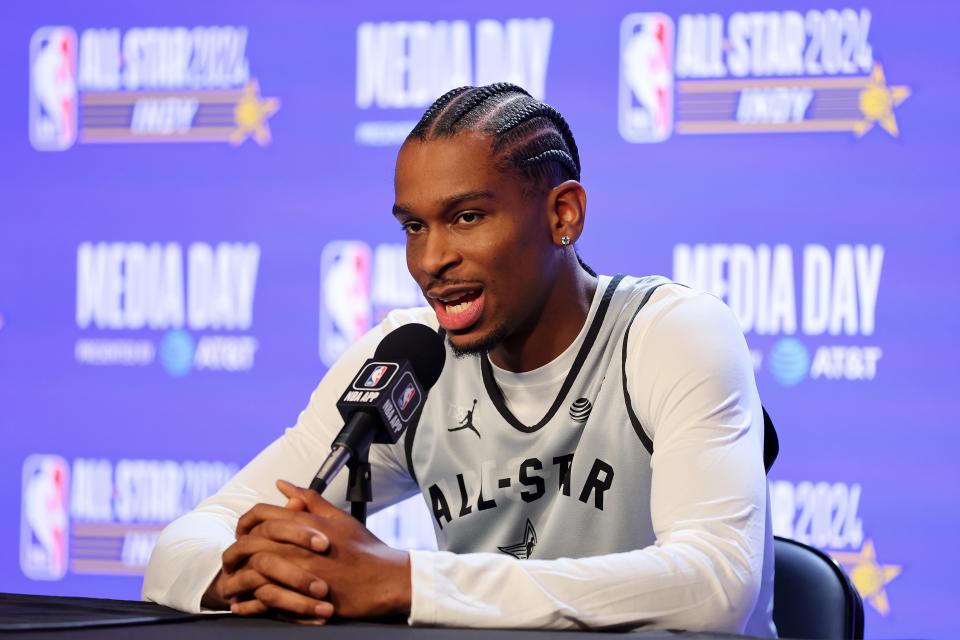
(401, 210)
(444, 204)
(452, 201)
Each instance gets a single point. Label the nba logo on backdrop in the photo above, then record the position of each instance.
(345, 308)
(44, 519)
(53, 88)
(646, 77)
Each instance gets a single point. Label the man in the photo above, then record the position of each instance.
(612, 473)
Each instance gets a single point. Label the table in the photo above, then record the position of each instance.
(94, 618)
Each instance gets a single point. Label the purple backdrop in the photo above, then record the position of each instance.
(195, 222)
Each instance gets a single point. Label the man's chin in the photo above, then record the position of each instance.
(469, 346)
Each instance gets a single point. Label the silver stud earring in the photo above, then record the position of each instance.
(565, 240)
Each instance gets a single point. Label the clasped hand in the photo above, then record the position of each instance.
(309, 560)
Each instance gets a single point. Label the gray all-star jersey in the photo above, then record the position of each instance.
(575, 484)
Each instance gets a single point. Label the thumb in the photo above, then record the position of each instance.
(311, 500)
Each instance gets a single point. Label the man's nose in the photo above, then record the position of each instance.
(439, 253)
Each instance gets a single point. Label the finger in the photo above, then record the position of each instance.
(247, 545)
(280, 570)
(314, 502)
(240, 550)
(243, 581)
(276, 597)
(258, 514)
(248, 608)
(293, 532)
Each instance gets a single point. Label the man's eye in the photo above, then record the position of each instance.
(412, 227)
(469, 217)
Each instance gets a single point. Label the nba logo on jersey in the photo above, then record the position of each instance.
(375, 375)
(407, 396)
(44, 518)
(53, 88)
(646, 77)
(345, 308)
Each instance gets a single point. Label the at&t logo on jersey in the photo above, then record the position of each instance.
(144, 84)
(44, 520)
(752, 72)
(359, 285)
(404, 66)
(815, 312)
(183, 308)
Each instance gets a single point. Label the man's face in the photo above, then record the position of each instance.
(478, 242)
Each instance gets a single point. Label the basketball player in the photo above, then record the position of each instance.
(592, 453)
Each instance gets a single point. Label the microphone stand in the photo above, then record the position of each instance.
(359, 485)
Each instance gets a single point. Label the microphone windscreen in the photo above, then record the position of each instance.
(419, 344)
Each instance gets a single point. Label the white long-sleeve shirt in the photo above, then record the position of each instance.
(691, 385)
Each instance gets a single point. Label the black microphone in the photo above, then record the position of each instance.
(384, 398)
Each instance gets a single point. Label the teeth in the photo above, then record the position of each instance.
(453, 299)
(458, 308)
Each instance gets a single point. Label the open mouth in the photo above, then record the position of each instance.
(459, 310)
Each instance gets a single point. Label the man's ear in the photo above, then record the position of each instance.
(567, 211)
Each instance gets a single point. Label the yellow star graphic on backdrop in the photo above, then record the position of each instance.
(251, 113)
(868, 576)
(877, 101)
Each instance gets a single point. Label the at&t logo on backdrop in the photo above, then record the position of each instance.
(142, 85)
(752, 73)
(358, 287)
(821, 312)
(140, 303)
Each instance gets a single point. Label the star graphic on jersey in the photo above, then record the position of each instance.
(522, 550)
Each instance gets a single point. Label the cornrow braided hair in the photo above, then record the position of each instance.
(431, 113)
(528, 136)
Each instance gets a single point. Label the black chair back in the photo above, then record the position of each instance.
(812, 596)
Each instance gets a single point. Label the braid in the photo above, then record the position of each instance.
(538, 109)
(426, 120)
(468, 103)
(555, 155)
(528, 135)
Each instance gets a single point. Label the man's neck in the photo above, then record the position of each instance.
(556, 326)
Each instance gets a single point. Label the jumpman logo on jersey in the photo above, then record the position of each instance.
(522, 550)
(467, 421)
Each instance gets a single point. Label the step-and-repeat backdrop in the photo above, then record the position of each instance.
(195, 222)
